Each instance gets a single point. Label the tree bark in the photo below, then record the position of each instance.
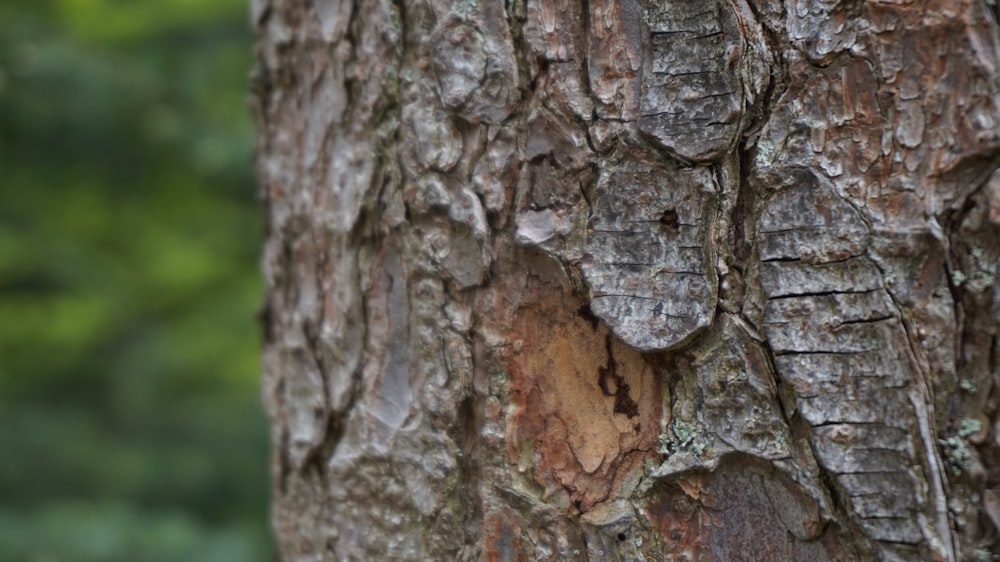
(630, 280)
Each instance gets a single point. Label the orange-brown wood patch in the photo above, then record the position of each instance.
(587, 406)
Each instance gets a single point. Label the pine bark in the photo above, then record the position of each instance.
(631, 280)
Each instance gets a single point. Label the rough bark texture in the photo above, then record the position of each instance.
(632, 280)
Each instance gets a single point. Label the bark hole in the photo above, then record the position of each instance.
(668, 218)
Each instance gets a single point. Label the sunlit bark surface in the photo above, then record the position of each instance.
(630, 280)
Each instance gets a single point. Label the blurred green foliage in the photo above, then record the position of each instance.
(130, 425)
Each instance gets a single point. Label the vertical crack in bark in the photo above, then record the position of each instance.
(993, 360)
(470, 424)
(613, 384)
(284, 460)
(921, 398)
(802, 431)
(776, 85)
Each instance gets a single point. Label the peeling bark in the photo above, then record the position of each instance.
(633, 280)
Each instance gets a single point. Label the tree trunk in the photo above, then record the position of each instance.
(629, 280)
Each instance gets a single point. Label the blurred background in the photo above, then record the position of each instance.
(130, 425)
